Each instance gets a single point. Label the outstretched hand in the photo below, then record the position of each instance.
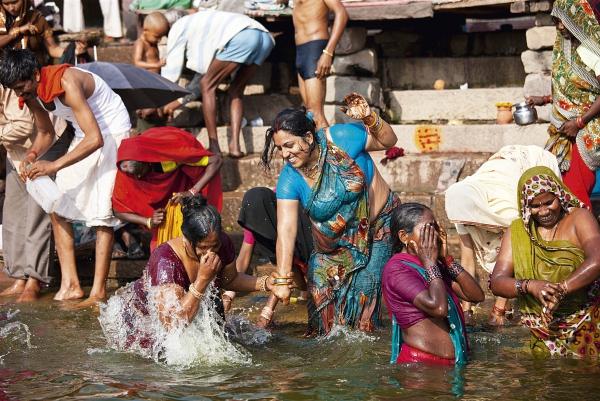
(356, 106)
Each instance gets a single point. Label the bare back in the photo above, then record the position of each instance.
(310, 20)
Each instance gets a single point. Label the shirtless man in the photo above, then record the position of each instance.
(145, 50)
(86, 173)
(315, 49)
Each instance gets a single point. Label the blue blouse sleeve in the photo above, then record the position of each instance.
(287, 186)
(351, 138)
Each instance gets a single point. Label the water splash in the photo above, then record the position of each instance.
(131, 326)
(242, 330)
(343, 333)
(13, 334)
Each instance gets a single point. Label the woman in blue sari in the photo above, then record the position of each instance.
(330, 174)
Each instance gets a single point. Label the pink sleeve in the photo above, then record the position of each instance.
(248, 237)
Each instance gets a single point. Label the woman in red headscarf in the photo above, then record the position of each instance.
(162, 164)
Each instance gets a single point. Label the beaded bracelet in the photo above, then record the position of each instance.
(431, 273)
(263, 283)
(454, 269)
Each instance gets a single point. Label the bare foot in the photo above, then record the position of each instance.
(68, 294)
(90, 302)
(17, 288)
(28, 296)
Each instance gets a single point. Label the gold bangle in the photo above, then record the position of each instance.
(195, 293)
(149, 223)
(328, 52)
(280, 281)
(375, 119)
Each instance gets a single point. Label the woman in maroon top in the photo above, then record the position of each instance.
(420, 287)
(175, 280)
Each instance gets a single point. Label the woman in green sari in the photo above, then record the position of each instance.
(574, 132)
(550, 260)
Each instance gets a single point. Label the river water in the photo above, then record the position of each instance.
(48, 352)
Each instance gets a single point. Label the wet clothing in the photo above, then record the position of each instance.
(125, 318)
(344, 270)
(26, 229)
(249, 46)
(403, 279)
(410, 354)
(575, 329)
(350, 138)
(307, 57)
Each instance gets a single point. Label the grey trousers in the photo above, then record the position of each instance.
(26, 228)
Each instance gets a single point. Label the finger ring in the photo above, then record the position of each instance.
(544, 309)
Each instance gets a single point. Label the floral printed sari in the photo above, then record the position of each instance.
(574, 331)
(574, 84)
(344, 273)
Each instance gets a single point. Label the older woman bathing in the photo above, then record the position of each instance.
(550, 260)
(420, 286)
(331, 175)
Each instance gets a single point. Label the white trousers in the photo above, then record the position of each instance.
(73, 16)
(112, 18)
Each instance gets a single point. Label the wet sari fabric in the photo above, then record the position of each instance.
(344, 273)
(574, 330)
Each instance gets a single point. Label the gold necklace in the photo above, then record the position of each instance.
(311, 172)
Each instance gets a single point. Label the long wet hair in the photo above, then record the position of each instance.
(199, 219)
(17, 65)
(293, 120)
(406, 217)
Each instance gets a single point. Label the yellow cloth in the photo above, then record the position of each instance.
(169, 166)
(171, 227)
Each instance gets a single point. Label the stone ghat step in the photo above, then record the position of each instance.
(413, 138)
(426, 172)
(452, 104)
(232, 202)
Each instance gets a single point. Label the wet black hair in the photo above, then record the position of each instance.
(296, 122)
(17, 65)
(199, 219)
(406, 217)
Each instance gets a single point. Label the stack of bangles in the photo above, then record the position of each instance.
(195, 293)
(267, 313)
(580, 123)
(455, 269)
(522, 287)
(377, 123)
(432, 272)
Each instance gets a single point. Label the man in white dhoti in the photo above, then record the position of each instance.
(86, 173)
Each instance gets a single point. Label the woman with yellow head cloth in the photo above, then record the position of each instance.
(550, 260)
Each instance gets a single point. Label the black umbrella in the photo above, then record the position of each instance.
(139, 88)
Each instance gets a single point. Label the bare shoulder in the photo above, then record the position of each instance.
(579, 216)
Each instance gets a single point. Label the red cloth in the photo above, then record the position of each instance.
(580, 179)
(154, 190)
(50, 85)
(410, 354)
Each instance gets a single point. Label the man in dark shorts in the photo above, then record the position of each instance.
(315, 49)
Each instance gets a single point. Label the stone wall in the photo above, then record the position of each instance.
(537, 62)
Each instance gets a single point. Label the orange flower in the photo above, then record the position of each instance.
(586, 7)
(589, 144)
(564, 105)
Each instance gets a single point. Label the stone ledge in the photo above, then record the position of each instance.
(452, 138)
(450, 104)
